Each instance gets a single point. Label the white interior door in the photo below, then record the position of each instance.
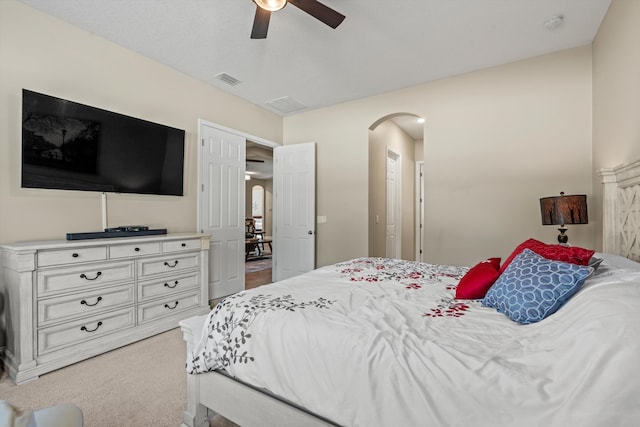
(294, 194)
(393, 209)
(419, 210)
(222, 204)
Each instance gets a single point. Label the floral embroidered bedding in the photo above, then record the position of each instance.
(380, 342)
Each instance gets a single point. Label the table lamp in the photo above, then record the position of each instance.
(562, 210)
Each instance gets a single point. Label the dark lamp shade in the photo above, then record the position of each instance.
(561, 210)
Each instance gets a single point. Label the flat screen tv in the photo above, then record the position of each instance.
(71, 146)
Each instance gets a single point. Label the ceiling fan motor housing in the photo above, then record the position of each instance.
(313, 7)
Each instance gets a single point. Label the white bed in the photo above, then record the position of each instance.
(375, 342)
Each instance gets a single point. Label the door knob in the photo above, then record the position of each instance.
(309, 232)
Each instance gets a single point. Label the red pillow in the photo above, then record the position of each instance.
(478, 280)
(571, 254)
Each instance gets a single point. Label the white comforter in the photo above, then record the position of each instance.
(375, 342)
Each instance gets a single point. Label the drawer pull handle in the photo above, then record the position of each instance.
(75, 255)
(183, 245)
(171, 308)
(84, 276)
(169, 265)
(91, 305)
(174, 285)
(137, 249)
(84, 328)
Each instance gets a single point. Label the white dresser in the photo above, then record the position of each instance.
(65, 301)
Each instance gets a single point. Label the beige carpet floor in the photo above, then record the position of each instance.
(142, 384)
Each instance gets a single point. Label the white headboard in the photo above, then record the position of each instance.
(621, 210)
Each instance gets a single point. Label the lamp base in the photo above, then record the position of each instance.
(562, 237)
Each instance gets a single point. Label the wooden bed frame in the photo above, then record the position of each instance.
(621, 210)
(216, 393)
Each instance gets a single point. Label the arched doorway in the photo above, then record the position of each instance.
(395, 186)
(257, 207)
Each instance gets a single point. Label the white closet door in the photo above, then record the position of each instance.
(222, 204)
(393, 205)
(294, 188)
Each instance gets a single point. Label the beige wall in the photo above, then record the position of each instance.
(43, 54)
(419, 150)
(388, 134)
(495, 142)
(616, 94)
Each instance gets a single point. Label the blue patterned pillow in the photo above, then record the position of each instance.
(534, 287)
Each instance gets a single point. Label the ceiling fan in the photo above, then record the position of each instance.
(255, 160)
(312, 7)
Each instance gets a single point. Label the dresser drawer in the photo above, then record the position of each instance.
(127, 251)
(181, 245)
(168, 264)
(168, 306)
(71, 256)
(59, 280)
(71, 333)
(168, 285)
(84, 303)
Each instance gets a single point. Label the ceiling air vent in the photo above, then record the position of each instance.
(286, 104)
(230, 80)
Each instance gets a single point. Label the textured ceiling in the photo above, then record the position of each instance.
(303, 64)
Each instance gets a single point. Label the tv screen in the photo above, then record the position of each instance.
(71, 146)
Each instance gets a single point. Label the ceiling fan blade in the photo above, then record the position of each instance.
(319, 11)
(255, 160)
(260, 23)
